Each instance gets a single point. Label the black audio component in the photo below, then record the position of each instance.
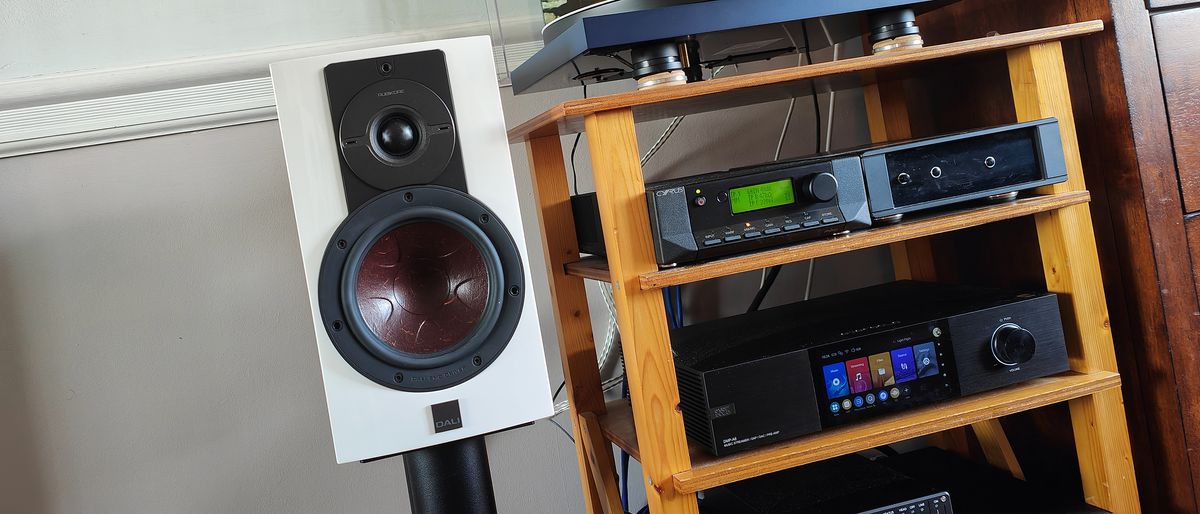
(743, 209)
(849, 484)
(995, 162)
(923, 481)
(753, 379)
(981, 489)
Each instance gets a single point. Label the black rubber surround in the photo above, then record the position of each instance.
(358, 344)
(376, 103)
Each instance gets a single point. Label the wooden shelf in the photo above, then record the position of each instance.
(724, 93)
(596, 269)
(708, 471)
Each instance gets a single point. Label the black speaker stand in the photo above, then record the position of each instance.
(450, 478)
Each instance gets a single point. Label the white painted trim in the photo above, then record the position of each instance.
(58, 112)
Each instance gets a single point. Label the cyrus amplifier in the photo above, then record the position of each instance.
(744, 209)
(749, 380)
(780, 203)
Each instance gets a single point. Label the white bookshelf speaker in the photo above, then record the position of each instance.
(414, 254)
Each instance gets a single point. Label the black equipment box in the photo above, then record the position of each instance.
(936, 172)
(745, 209)
(740, 210)
(849, 484)
(981, 489)
(757, 378)
(923, 481)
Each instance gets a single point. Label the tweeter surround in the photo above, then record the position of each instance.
(397, 132)
(421, 317)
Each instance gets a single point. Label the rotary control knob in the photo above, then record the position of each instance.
(821, 187)
(1012, 345)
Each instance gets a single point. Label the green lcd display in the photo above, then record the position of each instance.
(761, 196)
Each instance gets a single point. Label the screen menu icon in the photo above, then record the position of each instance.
(860, 375)
(881, 370)
(926, 357)
(903, 365)
(835, 381)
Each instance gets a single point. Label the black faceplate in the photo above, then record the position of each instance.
(415, 85)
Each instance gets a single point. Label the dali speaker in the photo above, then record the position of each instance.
(414, 253)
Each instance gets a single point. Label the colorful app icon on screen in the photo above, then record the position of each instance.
(860, 375)
(926, 356)
(903, 365)
(835, 381)
(881, 370)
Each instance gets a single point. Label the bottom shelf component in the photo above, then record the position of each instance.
(924, 481)
(708, 471)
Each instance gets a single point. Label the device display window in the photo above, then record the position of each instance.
(761, 196)
(885, 373)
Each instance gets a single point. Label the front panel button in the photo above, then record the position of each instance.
(772, 231)
(712, 242)
(730, 239)
(791, 227)
(830, 220)
(752, 233)
(811, 223)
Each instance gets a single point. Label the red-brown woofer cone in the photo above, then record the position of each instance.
(423, 287)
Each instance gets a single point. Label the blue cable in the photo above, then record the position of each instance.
(678, 306)
(669, 302)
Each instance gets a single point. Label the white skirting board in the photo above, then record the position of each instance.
(44, 114)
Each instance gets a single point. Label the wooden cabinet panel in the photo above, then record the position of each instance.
(1178, 45)
(1193, 231)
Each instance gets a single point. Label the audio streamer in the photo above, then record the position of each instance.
(753, 379)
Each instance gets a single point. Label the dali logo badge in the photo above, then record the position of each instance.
(446, 416)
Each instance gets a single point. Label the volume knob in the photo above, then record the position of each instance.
(1012, 345)
(821, 187)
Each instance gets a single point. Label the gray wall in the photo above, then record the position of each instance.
(155, 353)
